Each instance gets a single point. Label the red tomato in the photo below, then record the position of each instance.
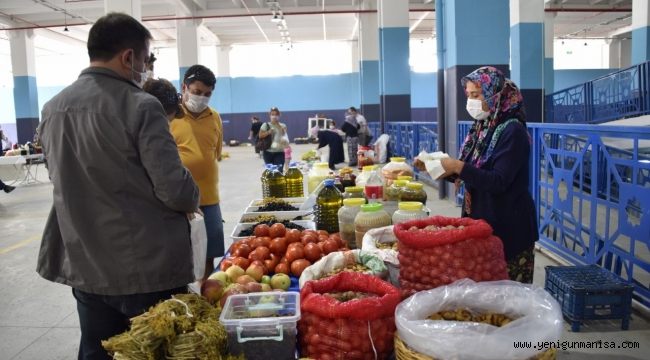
(282, 268)
(283, 260)
(271, 263)
(265, 241)
(294, 253)
(278, 246)
(277, 230)
(309, 231)
(241, 262)
(322, 238)
(225, 264)
(329, 246)
(261, 230)
(242, 250)
(312, 252)
(293, 235)
(308, 238)
(261, 253)
(322, 232)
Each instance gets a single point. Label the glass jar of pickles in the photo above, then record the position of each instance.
(347, 214)
(409, 210)
(392, 193)
(413, 191)
(352, 192)
(371, 216)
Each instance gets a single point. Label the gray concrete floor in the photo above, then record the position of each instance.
(38, 319)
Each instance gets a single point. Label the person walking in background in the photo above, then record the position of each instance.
(253, 134)
(494, 166)
(117, 233)
(274, 154)
(334, 141)
(199, 136)
(364, 132)
(351, 129)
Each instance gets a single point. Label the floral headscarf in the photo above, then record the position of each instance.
(506, 105)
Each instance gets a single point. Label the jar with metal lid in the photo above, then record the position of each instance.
(371, 216)
(409, 210)
(347, 214)
(352, 192)
(413, 191)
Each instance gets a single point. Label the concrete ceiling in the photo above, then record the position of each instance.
(249, 21)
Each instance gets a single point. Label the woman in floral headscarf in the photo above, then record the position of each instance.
(494, 167)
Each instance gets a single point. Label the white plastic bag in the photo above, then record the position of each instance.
(388, 256)
(537, 315)
(381, 149)
(432, 162)
(324, 153)
(199, 238)
(340, 259)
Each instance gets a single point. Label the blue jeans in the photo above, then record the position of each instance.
(214, 230)
(103, 316)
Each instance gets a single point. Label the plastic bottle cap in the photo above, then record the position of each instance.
(353, 189)
(414, 185)
(400, 182)
(405, 177)
(368, 168)
(410, 205)
(371, 207)
(354, 201)
(398, 159)
(329, 182)
(322, 165)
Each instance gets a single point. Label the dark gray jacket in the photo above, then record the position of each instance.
(118, 224)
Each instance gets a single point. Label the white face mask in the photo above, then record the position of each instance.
(196, 103)
(144, 75)
(149, 74)
(475, 109)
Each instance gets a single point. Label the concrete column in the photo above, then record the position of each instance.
(222, 97)
(626, 53)
(130, 7)
(467, 45)
(394, 70)
(187, 43)
(640, 31)
(369, 65)
(25, 90)
(527, 54)
(549, 70)
(614, 45)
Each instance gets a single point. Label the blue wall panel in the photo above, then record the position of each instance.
(640, 45)
(394, 50)
(568, 78)
(25, 96)
(369, 73)
(423, 90)
(527, 55)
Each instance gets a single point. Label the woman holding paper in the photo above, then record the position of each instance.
(494, 164)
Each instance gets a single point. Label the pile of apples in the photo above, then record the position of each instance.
(235, 280)
(276, 249)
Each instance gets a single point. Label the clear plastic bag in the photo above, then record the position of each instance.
(340, 259)
(199, 239)
(537, 318)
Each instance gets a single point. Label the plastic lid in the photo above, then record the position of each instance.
(329, 182)
(369, 168)
(400, 182)
(398, 159)
(322, 165)
(410, 205)
(405, 177)
(414, 185)
(354, 202)
(371, 207)
(353, 189)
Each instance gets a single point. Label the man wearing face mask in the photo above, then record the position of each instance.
(199, 136)
(494, 167)
(117, 232)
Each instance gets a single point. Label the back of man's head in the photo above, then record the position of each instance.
(199, 73)
(113, 33)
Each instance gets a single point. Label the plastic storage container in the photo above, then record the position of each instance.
(347, 214)
(413, 191)
(409, 210)
(326, 210)
(294, 181)
(365, 175)
(347, 177)
(264, 179)
(374, 188)
(371, 216)
(277, 183)
(261, 324)
(352, 192)
(317, 174)
(395, 168)
(392, 193)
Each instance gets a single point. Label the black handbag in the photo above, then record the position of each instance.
(264, 143)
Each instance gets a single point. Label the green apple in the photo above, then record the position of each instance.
(221, 276)
(280, 281)
(266, 280)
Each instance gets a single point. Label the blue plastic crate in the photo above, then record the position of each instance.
(589, 293)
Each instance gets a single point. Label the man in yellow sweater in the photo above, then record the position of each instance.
(199, 136)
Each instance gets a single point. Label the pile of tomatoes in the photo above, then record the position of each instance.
(282, 250)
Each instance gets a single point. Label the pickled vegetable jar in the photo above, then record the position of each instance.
(413, 191)
(371, 216)
(409, 210)
(347, 214)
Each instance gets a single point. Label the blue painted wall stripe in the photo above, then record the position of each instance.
(424, 90)
(485, 43)
(527, 55)
(640, 45)
(549, 76)
(394, 61)
(222, 95)
(181, 72)
(369, 73)
(25, 97)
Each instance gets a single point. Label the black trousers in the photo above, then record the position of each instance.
(275, 158)
(103, 316)
(2, 185)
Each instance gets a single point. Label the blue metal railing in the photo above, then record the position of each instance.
(621, 94)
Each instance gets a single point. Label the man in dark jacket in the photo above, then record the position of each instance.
(118, 232)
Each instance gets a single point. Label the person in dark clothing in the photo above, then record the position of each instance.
(494, 166)
(6, 188)
(351, 129)
(255, 130)
(335, 142)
